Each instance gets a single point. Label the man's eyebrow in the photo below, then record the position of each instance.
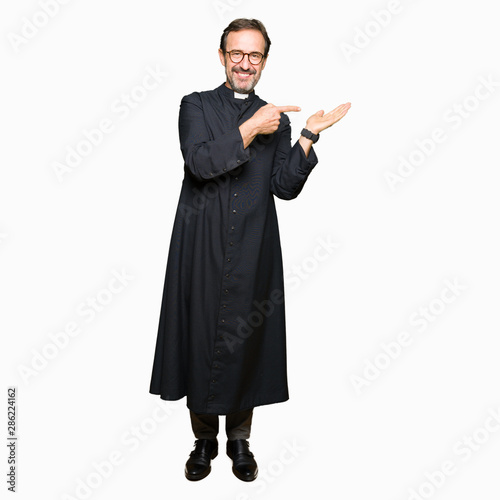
(241, 50)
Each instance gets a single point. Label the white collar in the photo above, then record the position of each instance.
(237, 95)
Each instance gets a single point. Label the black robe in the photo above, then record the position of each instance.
(221, 336)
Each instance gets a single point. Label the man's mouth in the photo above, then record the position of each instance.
(243, 75)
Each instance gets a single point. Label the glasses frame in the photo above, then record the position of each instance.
(245, 54)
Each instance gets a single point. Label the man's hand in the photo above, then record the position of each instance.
(319, 121)
(265, 120)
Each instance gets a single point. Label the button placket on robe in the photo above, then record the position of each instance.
(222, 324)
(220, 347)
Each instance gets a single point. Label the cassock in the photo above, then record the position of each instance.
(221, 337)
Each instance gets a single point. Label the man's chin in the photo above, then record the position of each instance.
(244, 87)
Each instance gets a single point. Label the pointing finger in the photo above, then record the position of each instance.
(286, 109)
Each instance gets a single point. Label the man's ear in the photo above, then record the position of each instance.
(222, 58)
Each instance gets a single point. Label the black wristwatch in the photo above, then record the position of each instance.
(309, 135)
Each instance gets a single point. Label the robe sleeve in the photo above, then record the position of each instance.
(206, 158)
(291, 167)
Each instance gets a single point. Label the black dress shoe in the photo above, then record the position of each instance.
(244, 465)
(198, 464)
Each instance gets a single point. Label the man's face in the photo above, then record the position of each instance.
(243, 76)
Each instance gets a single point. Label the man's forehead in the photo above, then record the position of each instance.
(246, 39)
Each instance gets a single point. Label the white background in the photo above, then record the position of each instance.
(61, 240)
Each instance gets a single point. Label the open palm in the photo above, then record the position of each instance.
(321, 121)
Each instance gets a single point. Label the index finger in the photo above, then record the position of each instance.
(285, 109)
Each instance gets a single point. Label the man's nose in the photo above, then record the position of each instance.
(245, 62)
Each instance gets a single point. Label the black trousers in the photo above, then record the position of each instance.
(206, 426)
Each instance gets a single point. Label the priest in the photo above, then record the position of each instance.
(221, 337)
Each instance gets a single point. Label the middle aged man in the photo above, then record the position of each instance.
(221, 337)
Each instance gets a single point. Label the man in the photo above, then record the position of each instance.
(221, 336)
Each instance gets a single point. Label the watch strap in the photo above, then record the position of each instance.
(309, 135)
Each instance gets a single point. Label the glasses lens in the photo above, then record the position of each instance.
(236, 56)
(255, 58)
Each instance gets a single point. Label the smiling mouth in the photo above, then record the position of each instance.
(243, 75)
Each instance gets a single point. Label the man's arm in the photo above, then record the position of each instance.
(291, 167)
(306, 144)
(249, 132)
(205, 157)
(266, 121)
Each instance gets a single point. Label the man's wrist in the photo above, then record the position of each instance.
(248, 132)
(249, 127)
(306, 144)
(309, 134)
(312, 129)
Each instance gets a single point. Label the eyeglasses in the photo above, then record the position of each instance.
(237, 56)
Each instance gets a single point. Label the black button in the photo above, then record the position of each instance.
(220, 338)
(235, 194)
(211, 173)
(238, 161)
(211, 396)
(217, 351)
(231, 243)
(228, 259)
(224, 169)
(232, 228)
(234, 211)
(236, 178)
(222, 320)
(213, 381)
(226, 291)
(216, 366)
(224, 306)
(227, 275)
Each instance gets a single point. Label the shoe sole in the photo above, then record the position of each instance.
(247, 479)
(198, 477)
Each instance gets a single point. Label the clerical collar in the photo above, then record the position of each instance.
(223, 89)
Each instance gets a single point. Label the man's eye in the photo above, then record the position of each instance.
(236, 53)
